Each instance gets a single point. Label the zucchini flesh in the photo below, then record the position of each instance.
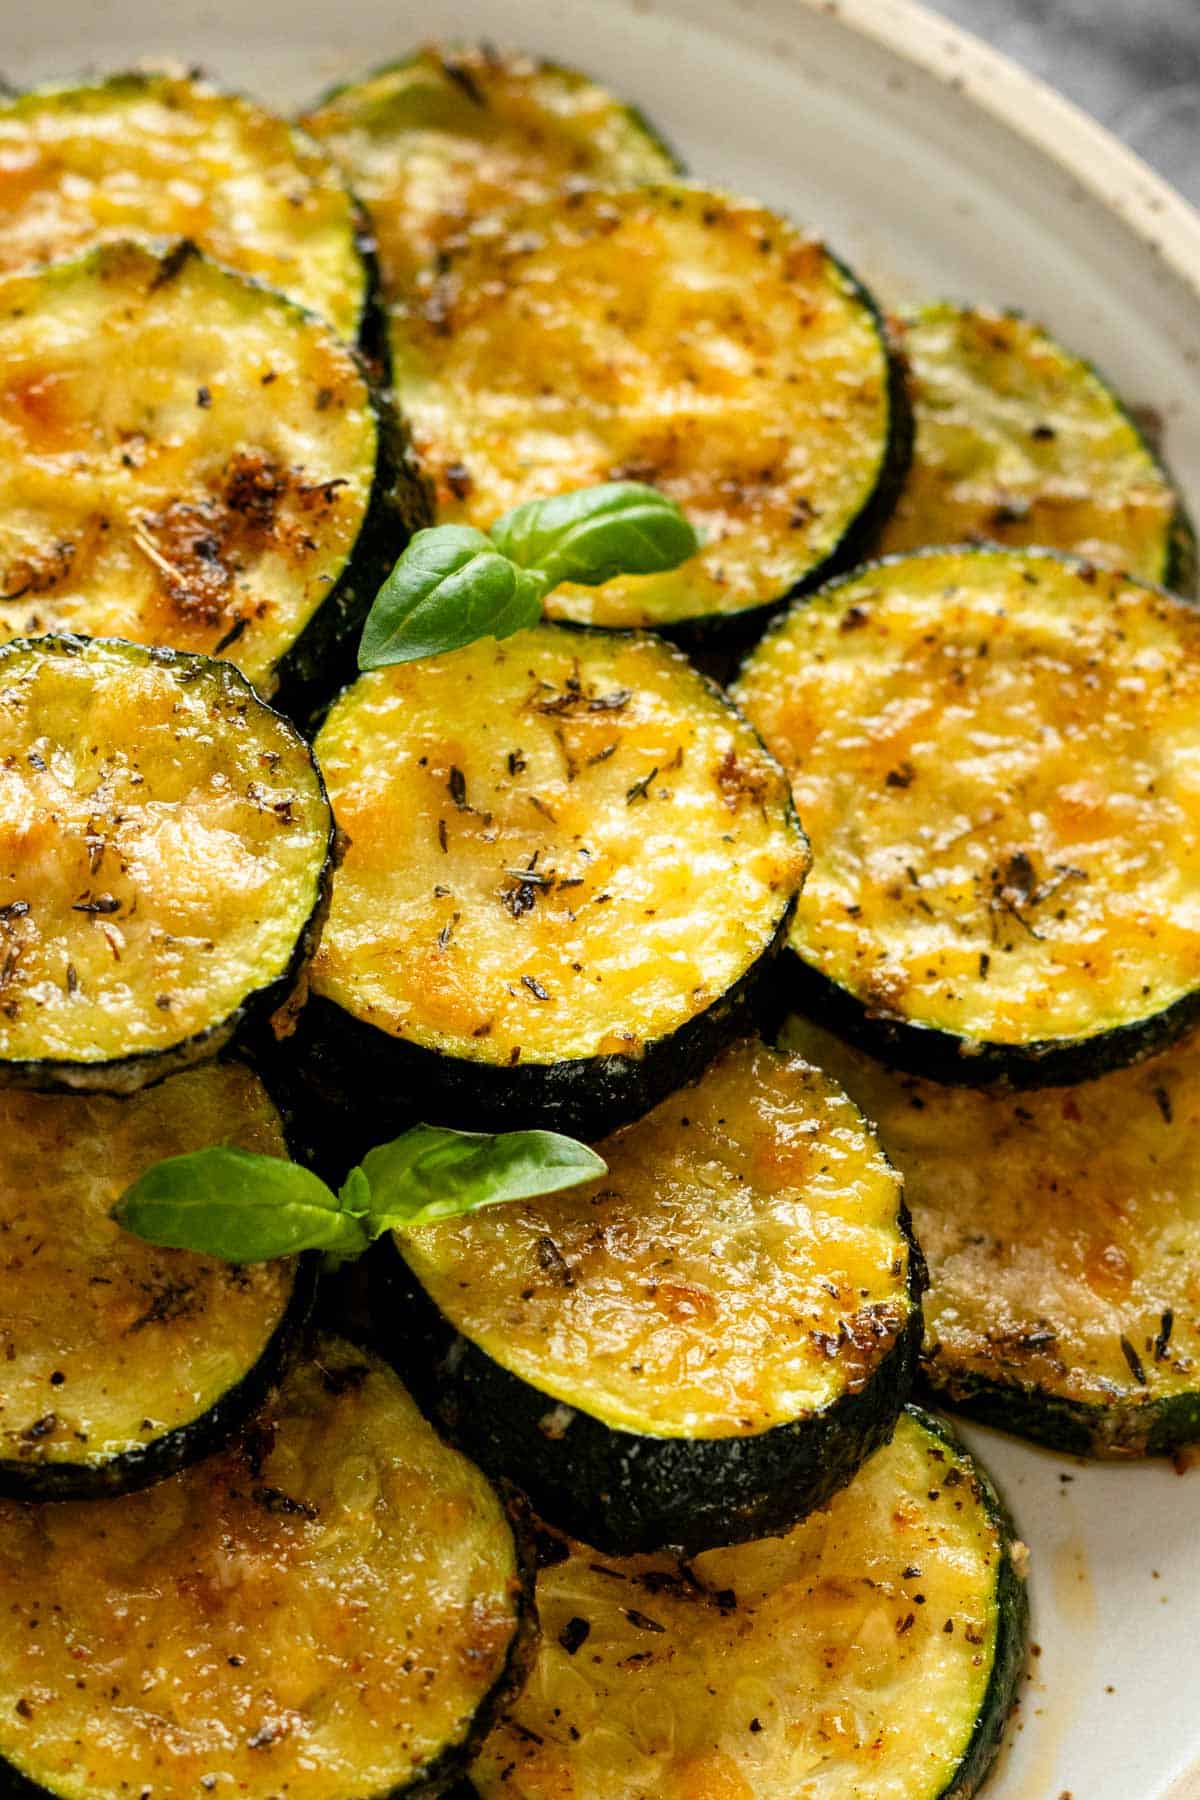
(185, 459)
(562, 846)
(164, 851)
(992, 753)
(163, 154)
(1062, 1233)
(1019, 442)
(327, 1611)
(673, 335)
(120, 1361)
(455, 134)
(873, 1650)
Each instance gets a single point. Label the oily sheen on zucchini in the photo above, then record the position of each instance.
(455, 134)
(702, 1346)
(1062, 1231)
(673, 335)
(994, 756)
(187, 459)
(1019, 442)
(330, 1610)
(165, 846)
(873, 1651)
(163, 154)
(120, 1362)
(570, 862)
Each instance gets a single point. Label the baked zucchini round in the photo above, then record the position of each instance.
(993, 754)
(331, 1610)
(701, 1347)
(164, 154)
(1019, 442)
(459, 133)
(570, 862)
(165, 850)
(874, 1650)
(1063, 1237)
(119, 1362)
(187, 459)
(667, 334)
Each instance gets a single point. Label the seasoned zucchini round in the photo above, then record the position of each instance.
(701, 1347)
(162, 153)
(119, 1362)
(1063, 1238)
(330, 1610)
(187, 459)
(1019, 442)
(458, 133)
(673, 335)
(570, 861)
(875, 1650)
(165, 846)
(994, 756)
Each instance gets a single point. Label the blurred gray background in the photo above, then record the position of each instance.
(1134, 64)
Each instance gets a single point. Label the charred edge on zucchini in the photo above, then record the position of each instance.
(96, 992)
(584, 322)
(968, 917)
(900, 1613)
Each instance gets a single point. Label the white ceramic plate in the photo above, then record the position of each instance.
(937, 168)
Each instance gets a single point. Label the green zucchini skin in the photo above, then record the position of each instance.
(1162, 1427)
(622, 1491)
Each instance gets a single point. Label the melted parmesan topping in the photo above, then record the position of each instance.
(562, 845)
(1020, 443)
(166, 156)
(162, 841)
(997, 760)
(670, 335)
(317, 1613)
(1062, 1231)
(849, 1657)
(184, 459)
(741, 1264)
(105, 1341)
(451, 136)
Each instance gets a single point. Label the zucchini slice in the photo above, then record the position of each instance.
(330, 1610)
(874, 1650)
(455, 134)
(119, 1362)
(1063, 1238)
(163, 154)
(570, 863)
(673, 335)
(1019, 442)
(165, 850)
(701, 1347)
(187, 459)
(993, 753)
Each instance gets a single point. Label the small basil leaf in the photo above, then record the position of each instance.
(432, 1173)
(237, 1205)
(596, 533)
(354, 1195)
(450, 587)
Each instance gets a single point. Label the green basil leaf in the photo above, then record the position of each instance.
(432, 1173)
(237, 1205)
(596, 533)
(450, 587)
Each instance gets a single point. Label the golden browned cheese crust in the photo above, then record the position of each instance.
(184, 460)
(562, 845)
(994, 756)
(741, 1265)
(106, 1342)
(317, 1613)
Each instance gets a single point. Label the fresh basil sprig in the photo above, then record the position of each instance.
(248, 1208)
(454, 584)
